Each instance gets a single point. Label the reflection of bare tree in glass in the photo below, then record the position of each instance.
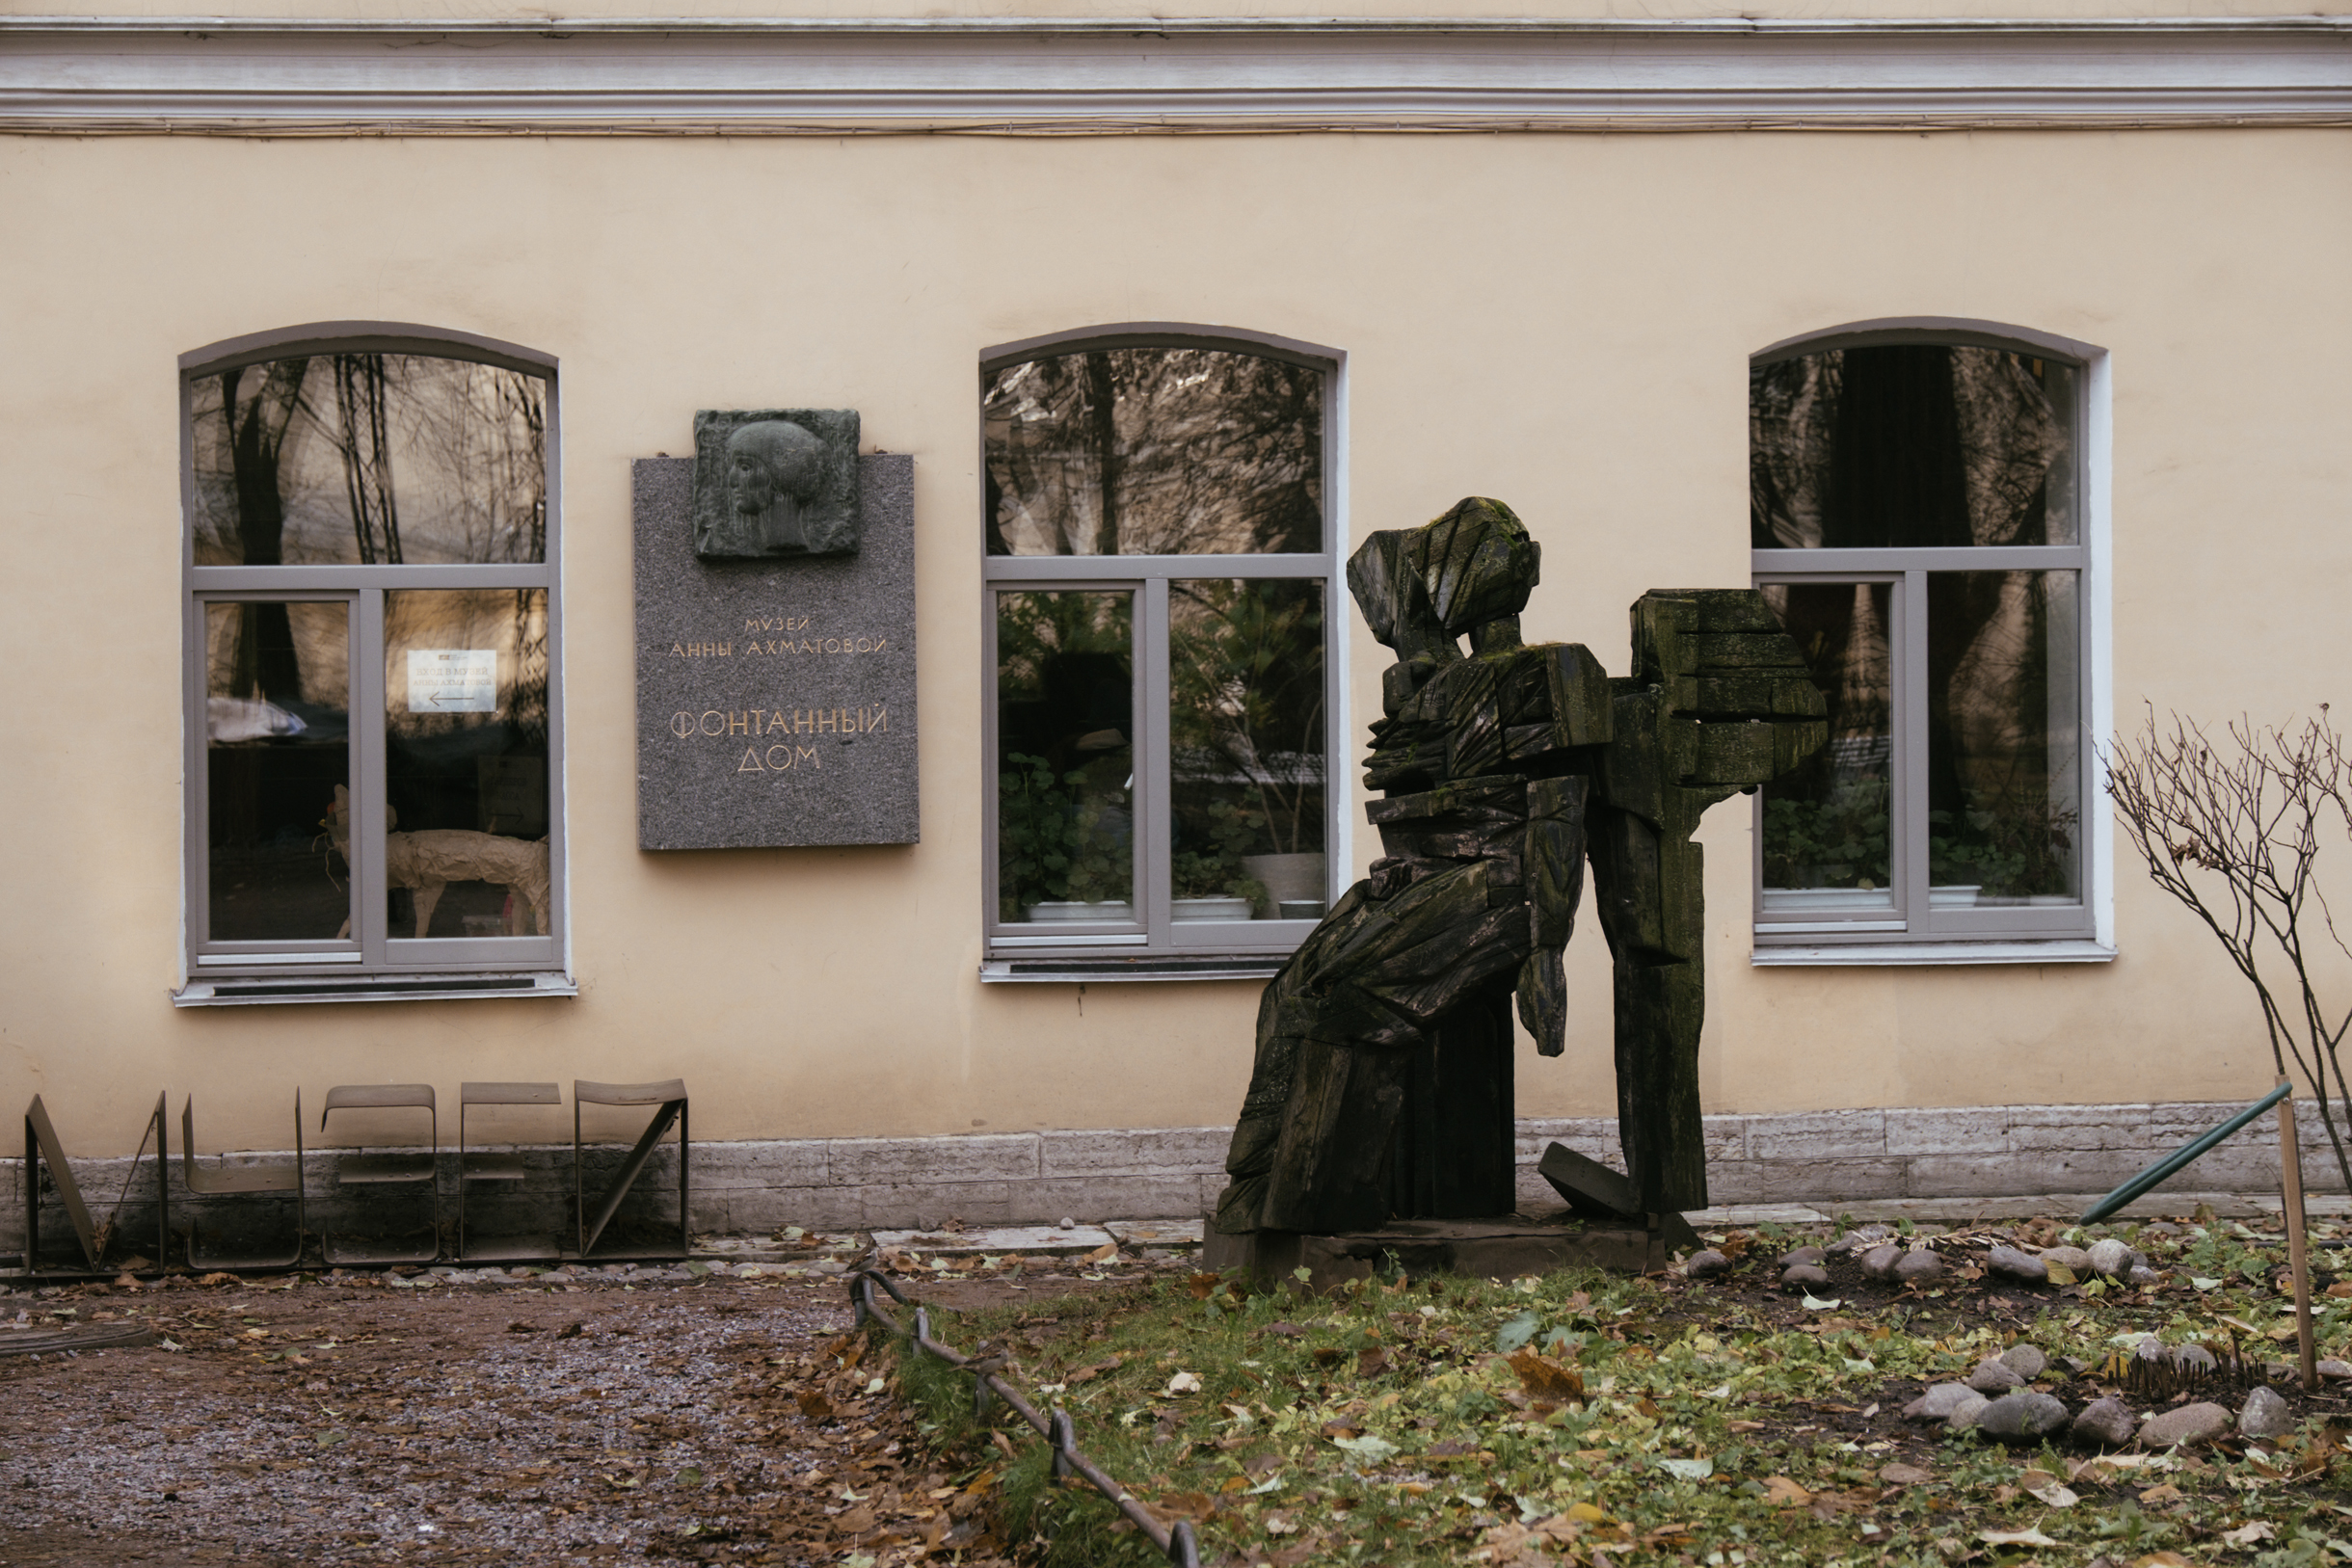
(434, 460)
(361, 435)
(1154, 451)
(1931, 446)
(265, 663)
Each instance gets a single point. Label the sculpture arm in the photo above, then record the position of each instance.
(1555, 872)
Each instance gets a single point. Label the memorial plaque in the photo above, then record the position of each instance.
(775, 697)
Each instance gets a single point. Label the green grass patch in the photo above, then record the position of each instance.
(1460, 1420)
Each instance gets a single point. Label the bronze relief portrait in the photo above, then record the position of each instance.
(773, 483)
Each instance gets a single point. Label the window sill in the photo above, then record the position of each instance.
(279, 990)
(1089, 971)
(1884, 954)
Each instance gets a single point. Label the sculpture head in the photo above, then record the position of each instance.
(1478, 566)
(773, 468)
(1469, 572)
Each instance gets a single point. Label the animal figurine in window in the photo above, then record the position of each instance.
(427, 862)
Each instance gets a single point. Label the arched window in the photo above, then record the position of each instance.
(1918, 510)
(372, 677)
(1158, 560)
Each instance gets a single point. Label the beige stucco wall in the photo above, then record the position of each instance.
(431, 11)
(1561, 321)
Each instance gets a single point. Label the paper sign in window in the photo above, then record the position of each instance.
(453, 680)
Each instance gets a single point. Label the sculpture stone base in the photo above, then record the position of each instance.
(1501, 1248)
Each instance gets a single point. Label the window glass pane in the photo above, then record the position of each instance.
(1915, 446)
(466, 762)
(1246, 749)
(1154, 452)
(2004, 745)
(1065, 757)
(278, 769)
(1825, 825)
(336, 458)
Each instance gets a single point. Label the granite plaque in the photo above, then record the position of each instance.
(775, 696)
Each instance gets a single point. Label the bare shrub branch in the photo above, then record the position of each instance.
(2233, 831)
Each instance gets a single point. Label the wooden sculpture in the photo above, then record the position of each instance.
(1383, 1080)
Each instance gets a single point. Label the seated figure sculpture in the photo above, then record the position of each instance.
(1381, 1085)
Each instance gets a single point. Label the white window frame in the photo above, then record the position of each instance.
(372, 964)
(1918, 933)
(1157, 946)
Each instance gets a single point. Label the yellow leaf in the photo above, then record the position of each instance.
(1587, 1514)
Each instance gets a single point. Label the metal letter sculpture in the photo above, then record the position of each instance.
(1382, 1082)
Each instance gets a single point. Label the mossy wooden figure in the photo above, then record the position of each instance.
(1382, 1082)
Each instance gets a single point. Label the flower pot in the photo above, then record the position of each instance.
(1208, 908)
(1288, 879)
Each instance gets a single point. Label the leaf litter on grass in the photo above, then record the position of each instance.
(1609, 1420)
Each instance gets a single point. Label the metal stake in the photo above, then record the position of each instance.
(2298, 1255)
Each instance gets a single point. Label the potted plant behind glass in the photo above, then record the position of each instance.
(1245, 719)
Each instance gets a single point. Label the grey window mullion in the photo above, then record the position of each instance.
(196, 838)
(1153, 764)
(991, 805)
(369, 891)
(1852, 563)
(341, 579)
(1041, 571)
(1910, 825)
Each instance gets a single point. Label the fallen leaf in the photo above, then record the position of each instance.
(2251, 1533)
(2157, 1496)
(1688, 1469)
(1547, 1379)
(571, 1331)
(1330, 1355)
(1814, 1303)
(1905, 1476)
(519, 1327)
(1185, 1383)
(1089, 1373)
(2051, 1492)
(1198, 1286)
(2161, 1559)
(2014, 1537)
(814, 1405)
(1371, 1449)
(1372, 1362)
(1104, 1253)
(1782, 1492)
(1516, 1330)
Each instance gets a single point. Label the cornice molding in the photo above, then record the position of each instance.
(1025, 75)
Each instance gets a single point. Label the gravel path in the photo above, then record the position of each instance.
(558, 1420)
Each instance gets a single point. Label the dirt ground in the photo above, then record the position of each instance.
(558, 1420)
